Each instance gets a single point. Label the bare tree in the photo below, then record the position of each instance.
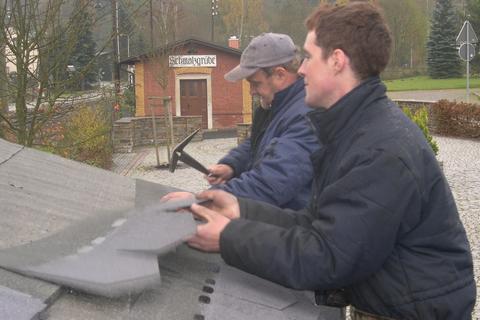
(409, 32)
(164, 16)
(40, 39)
(38, 45)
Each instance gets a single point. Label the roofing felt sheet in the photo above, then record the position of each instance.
(245, 296)
(184, 274)
(8, 150)
(41, 194)
(190, 289)
(15, 305)
(248, 287)
(154, 231)
(122, 260)
(56, 212)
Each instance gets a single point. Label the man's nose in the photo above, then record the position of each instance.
(300, 71)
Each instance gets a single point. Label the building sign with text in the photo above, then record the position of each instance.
(192, 61)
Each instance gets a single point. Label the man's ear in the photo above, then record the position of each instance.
(280, 72)
(340, 60)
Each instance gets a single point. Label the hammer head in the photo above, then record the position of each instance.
(177, 151)
(173, 162)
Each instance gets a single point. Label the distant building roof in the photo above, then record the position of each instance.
(188, 43)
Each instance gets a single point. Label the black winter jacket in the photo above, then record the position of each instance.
(383, 223)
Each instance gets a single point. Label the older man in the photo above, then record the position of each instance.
(273, 165)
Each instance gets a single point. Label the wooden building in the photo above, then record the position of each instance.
(192, 73)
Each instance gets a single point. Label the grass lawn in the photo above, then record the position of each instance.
(425, 83)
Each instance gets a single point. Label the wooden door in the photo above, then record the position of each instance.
(193, 99)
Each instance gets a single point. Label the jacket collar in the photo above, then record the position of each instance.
(331, 123)
(282, 97)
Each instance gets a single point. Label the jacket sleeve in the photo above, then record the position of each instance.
(282, 169)
(263, 212)
(347, 238)
(238, 158)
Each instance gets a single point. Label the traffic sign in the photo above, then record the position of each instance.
(467, 34)
(466, 51)
(466, 40)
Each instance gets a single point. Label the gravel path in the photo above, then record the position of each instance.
(207, 152)
(461, 160)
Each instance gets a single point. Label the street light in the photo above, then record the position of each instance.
(128, 43)
(214, 13)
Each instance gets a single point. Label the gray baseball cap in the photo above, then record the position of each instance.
(265, 50)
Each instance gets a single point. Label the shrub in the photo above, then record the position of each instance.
(458, 119)
(87, 138)
(420, 117)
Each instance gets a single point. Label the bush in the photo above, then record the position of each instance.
(420, 117)
(458, 119)
(87, 138)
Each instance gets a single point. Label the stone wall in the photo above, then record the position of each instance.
(129, 133)
(243, 131)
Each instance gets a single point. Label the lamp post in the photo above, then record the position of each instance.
(214, 13)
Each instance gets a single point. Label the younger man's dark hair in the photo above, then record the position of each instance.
(358, 29)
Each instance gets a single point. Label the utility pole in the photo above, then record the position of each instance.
(151, 27)
(116, 56)
(214, 13)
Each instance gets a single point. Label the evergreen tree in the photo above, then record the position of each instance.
(442, 56)
(84, 55)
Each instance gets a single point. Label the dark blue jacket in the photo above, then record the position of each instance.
(273, 165)
(383, 223)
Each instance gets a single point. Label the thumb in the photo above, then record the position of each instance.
(214, 171)
(206, 194)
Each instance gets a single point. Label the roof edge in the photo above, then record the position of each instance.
(178, 43)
